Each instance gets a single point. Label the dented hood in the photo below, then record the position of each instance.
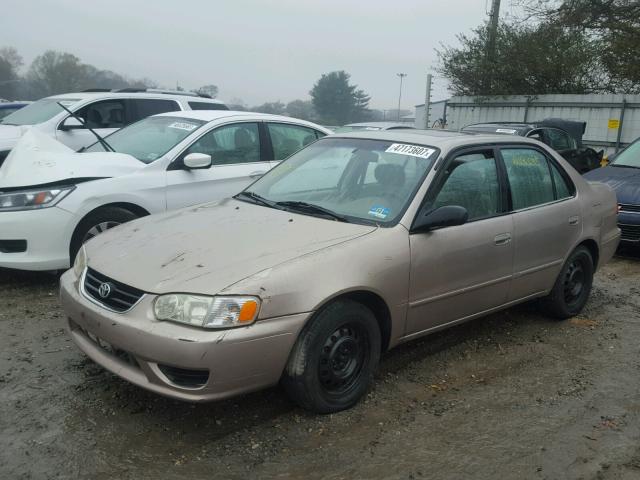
(207, 248)
(624, 180)
(39, 159)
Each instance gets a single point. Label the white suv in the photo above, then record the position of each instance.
(104, 111)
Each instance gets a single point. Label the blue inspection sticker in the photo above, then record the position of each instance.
(379, 212)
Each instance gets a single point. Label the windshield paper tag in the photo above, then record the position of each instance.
(412, 150)
(183, 126)
(379, 212)
(510, 131)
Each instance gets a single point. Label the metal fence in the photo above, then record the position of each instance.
(613, 121)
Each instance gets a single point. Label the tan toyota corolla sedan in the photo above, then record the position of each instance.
(355, 244)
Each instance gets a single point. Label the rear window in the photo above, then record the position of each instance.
(207, 106)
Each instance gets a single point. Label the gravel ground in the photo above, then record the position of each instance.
(513, 395)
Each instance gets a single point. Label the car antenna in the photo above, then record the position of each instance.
(102, 141)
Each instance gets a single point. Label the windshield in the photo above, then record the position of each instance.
(358, 179)
(149, 139)
(355, 128)
(38, 112)
(629, 157)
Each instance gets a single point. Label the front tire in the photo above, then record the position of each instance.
(573, 286)
(334, 359)
(95, 223)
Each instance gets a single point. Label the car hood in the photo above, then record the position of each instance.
(38, 159)
(209, 247)
(9, 135)
(625, 181)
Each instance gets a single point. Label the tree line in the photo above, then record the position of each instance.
(333, 98)
(554, 46)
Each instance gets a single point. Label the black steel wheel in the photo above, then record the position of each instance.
(332, 363)
(573, 286)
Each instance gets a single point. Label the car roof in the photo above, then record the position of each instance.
(380, 124)
(13, 104)
(210, 115)
(443, 139)
(150, 94)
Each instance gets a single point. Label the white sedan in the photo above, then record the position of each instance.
(52, 199)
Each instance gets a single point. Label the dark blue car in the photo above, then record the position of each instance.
(9, 107)
(623, 175)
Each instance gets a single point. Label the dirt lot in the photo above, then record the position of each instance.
(513, 395)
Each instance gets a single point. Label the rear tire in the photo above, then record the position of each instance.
(573, 286)
(95, 223)
(334, 359)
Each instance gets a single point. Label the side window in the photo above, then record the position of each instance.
(207, 106)
(237, 143)
(563, 190)
(145, 107)
(288, 139)
(529, 177)
(103, 114)
(536, 135)
(559, 140)
(471, 181)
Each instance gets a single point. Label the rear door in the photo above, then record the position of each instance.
(140, 108)
(460, 271)
(546, 215)
(237, 160)
(286, 139)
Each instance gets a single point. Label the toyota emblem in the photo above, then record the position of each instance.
(104, 290)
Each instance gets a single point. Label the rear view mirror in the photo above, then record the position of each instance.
(447, 216)
(71, 123)
(195, 161)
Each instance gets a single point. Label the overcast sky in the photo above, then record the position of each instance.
(255, 50)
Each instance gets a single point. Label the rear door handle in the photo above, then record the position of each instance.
(574, 220)
(257, 173)
(502, 239)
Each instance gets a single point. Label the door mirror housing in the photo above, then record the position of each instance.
(71, 123)
(195, 161)
(446, 216)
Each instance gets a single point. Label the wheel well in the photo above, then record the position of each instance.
(379, 308)
(592, 246)
(132, 207)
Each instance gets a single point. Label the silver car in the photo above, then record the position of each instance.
(354, 245)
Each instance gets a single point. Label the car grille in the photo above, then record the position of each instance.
(120, 297)
(629, 208)
(630, 232)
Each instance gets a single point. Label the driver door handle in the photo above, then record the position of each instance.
(502, 239)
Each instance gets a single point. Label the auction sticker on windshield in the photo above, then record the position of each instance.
(411, 150)
(183, 126)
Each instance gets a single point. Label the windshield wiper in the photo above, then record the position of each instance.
(311, 208)
(102, 141)
(257, 199)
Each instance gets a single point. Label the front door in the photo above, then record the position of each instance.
(460, 271)
(236, 162)
(104, 117)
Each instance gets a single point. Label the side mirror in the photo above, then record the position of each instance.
(195, 161)
(447, 216)
(71, 123)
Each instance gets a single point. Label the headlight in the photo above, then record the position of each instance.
(207, 312)
(32, 199)
(80, 263)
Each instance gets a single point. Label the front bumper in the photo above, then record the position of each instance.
(237, 360)
(47, 233)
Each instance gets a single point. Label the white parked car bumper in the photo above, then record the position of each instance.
(47, 233)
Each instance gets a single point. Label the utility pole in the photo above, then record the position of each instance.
(401, 75)
(427, 101)
(494, 17)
